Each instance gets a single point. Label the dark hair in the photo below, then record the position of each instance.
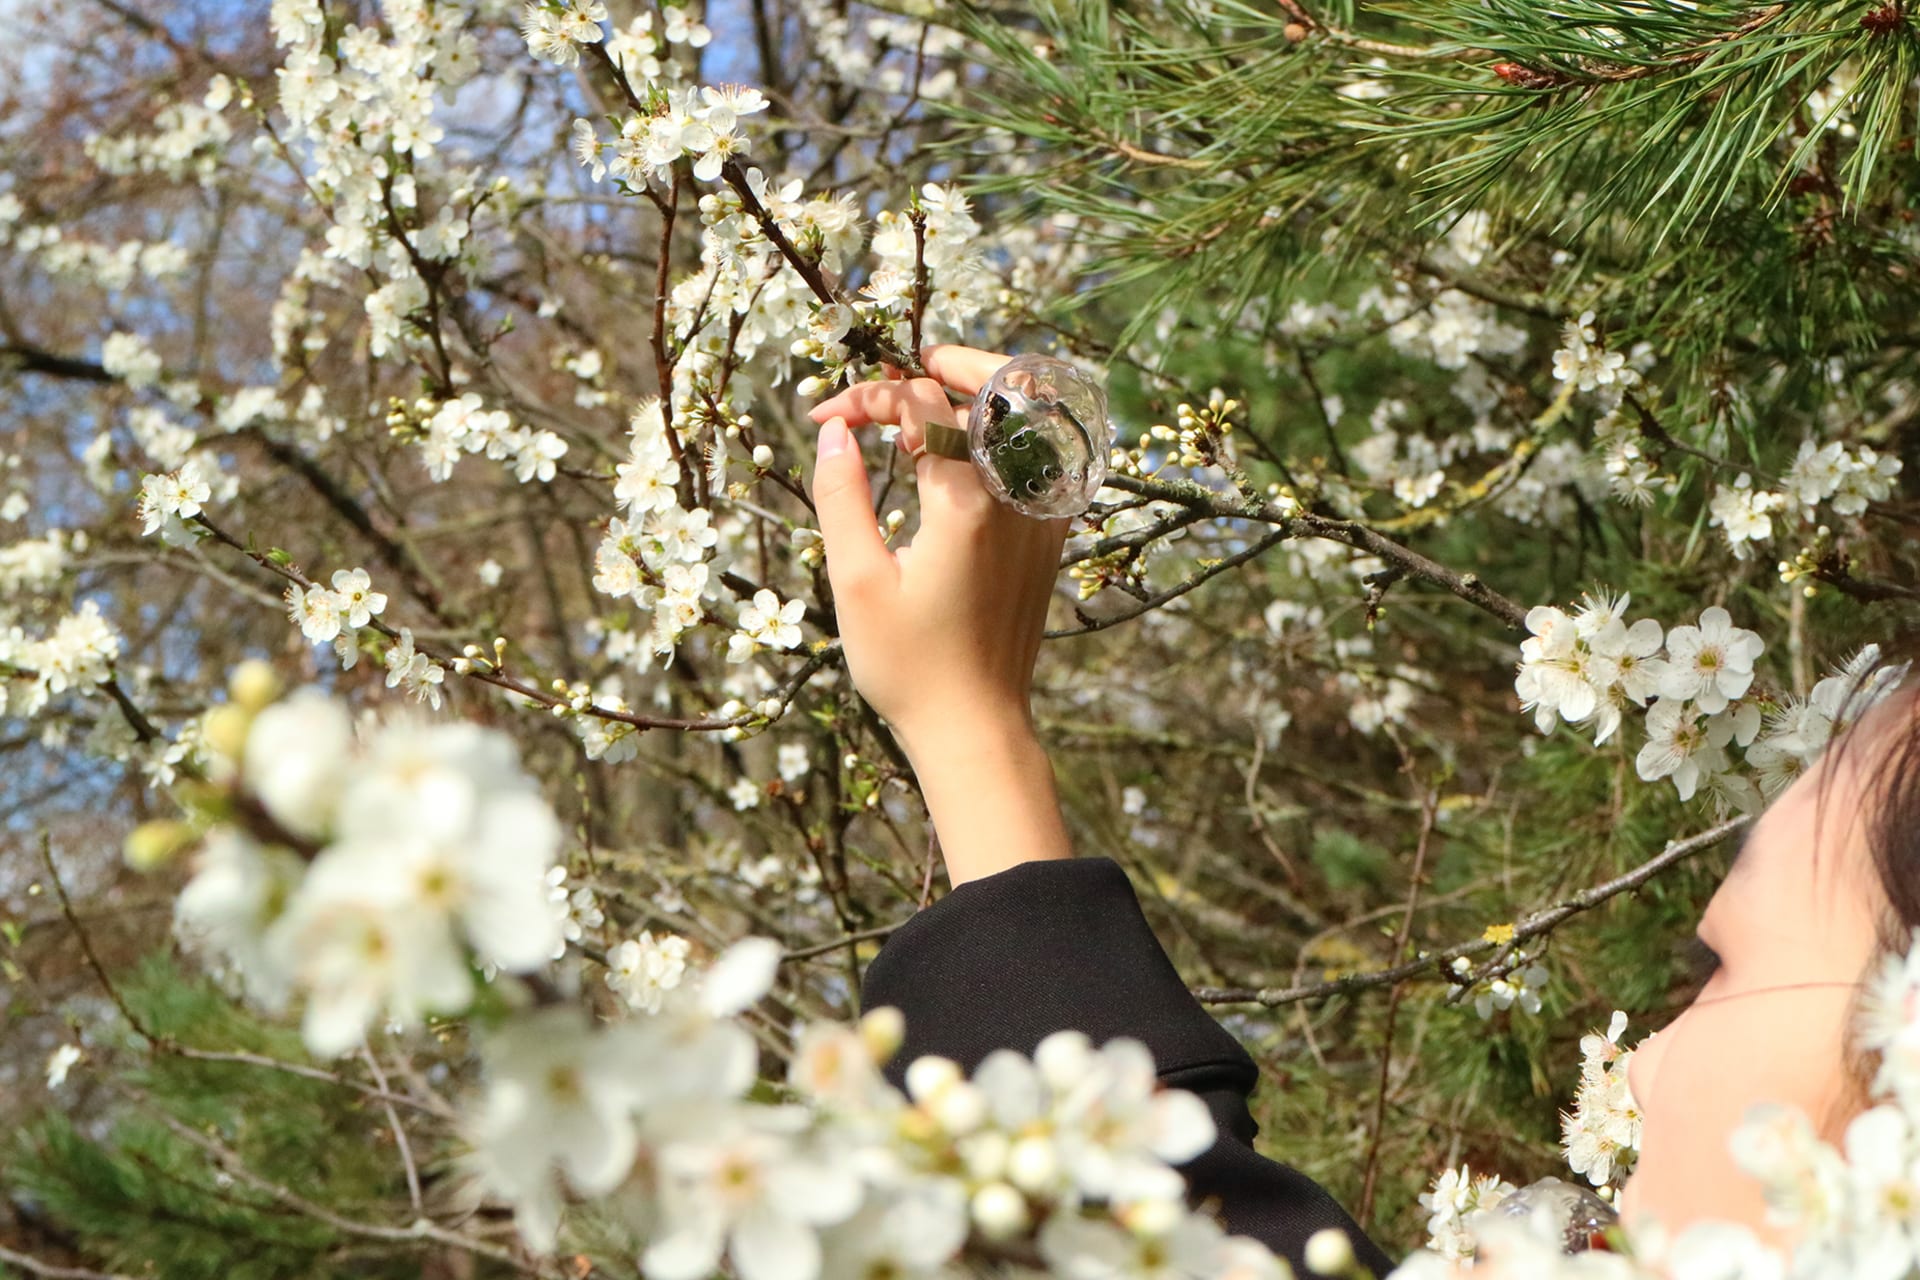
(1892, 818)
(1891, 781)
(1893, 827)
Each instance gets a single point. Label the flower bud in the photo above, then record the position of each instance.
(883, 1031)
(762, 456)
(253, 684)
(1329, 1252)
(960, 1109)
(1033, 1164)
(1152, 1218)
(930, 1075)
(225, 729)
(153, 844)
(985, 1155)
(999, 1211)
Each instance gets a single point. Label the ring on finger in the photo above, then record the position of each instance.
(944, 441)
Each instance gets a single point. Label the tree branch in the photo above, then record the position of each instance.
(1542, 921)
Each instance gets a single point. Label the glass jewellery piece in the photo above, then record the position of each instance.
(1039, 435)
(1581, 1217)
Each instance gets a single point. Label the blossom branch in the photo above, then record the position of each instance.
(865, 340)
(918, 216)
(1467, 586)
(1214, 570)
(488, 673)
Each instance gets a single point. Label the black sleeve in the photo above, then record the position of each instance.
(1003, 961)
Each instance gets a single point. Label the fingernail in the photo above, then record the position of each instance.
(834, 438)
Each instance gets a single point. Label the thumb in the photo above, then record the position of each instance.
(843, 502)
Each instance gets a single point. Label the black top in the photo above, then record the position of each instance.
(1003, 961)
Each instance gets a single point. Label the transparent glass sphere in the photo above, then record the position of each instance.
(1040, 436)
(1581, 1217)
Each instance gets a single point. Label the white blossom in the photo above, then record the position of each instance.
(1455, 1196)
(128, 357)
(643, 970)
(1601, 1135)
(561, 1100)
(1583, 362)
(355, 597)
(1711, 663)
(59, 1063)
(316, 610)
(555, 29)
(1743, 512)
(417, 673)
(766, 621)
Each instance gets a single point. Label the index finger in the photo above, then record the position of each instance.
(965, 369)
(919, 399)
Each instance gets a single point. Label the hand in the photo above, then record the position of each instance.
(940, 636)
(944, 631)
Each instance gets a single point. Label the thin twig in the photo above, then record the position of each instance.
(246, 1059)
(233, 1163)
(399, 1130)
(86, 943)
(1429, 811)
(142, 727)
(1542, 921)
(846, 940)
(1174, 592)
(1467, 586)
(918, 217)
(36, 1267)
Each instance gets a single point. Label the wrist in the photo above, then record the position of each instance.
(990, 793)
(962, 732)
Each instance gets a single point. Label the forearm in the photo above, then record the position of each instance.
(990, 791)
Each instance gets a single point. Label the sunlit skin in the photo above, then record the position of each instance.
(1795, 924)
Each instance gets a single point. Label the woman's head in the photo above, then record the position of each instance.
(1827, 879)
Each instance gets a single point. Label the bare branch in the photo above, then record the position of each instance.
(1542, 921)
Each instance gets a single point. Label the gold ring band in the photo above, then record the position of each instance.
(944, 441)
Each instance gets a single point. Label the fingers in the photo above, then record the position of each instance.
(912, 403)
(843, 502)
(965, 369)
(962, 369)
